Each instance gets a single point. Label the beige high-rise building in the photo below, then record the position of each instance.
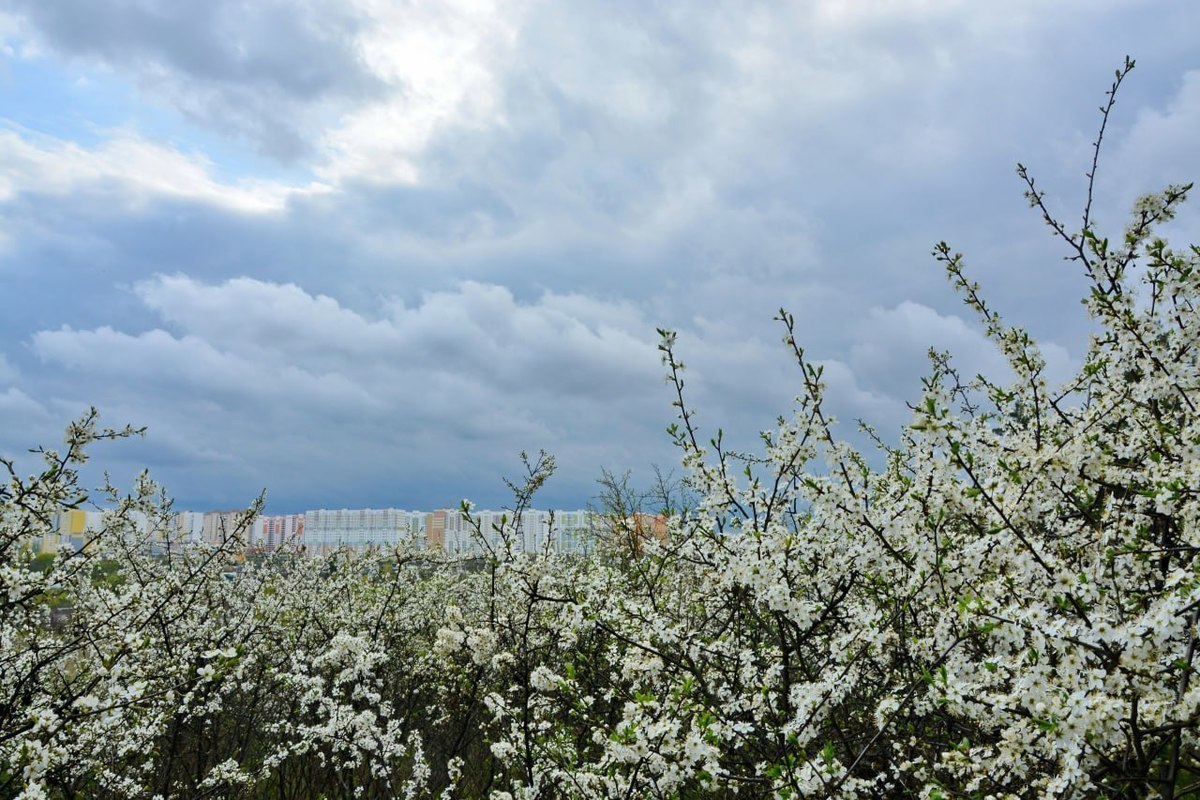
(435, 529)
(220, 526)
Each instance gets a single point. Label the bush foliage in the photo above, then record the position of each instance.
(1007, 608)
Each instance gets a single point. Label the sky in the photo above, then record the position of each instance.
(362, 254)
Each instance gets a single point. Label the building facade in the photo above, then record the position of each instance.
(361, 529)
(271, 533)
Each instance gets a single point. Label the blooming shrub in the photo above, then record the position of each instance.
(1007, 608)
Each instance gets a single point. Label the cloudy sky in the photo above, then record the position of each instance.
(363, 253)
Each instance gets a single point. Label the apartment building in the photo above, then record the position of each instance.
(218, 527)
(77, 528)
(326, 530)
(531, 531)
(575, 531)
(271, 533)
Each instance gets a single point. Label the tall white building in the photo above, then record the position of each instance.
(361, 529)
(532, 531)
(574, 532)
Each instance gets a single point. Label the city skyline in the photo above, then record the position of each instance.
(322, 531)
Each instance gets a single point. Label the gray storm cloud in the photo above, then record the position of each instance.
(489, 208)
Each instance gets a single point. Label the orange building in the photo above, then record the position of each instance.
(435, 529)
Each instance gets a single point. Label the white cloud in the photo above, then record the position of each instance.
(872, 367)
(129, 168)
(18, 406)
(8, 373)
(441, 60)
(470, 369)
(892, 346)
(848, 401)
(189, 364)
(269, 72)
(479, 329)
(1158, 150)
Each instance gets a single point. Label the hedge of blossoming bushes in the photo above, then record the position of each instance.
(1008, 608)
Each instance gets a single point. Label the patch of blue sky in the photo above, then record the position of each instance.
(86, 106)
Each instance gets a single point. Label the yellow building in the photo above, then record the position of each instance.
(75, 526)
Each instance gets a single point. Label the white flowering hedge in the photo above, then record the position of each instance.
(1008, 608)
